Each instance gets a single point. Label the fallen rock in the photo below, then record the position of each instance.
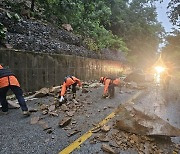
(51, 108)
(94, 85)
(105, 108)
(74, 122)
(84, 90)
(107, 148)
(70, 113)
(133, 85)
(134, 138)
(49, 131)
(44, 112)
(14, 104)
(105, 128)
(67, 27)
(64, 122)
(55, 89)
(75, 102)
(53, 114)
(102, 138)
(34, 120)
(33, 110)
(67, 128)
(44, 125)
(95, 130)
(64, 107)
(44, 107)
(73, 133)
(41, 93)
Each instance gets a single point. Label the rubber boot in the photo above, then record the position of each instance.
(74, 95)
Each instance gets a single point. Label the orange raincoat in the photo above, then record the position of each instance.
(69, 81)
(9, 80)
(107, 81)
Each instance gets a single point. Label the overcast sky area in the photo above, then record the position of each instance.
(162, 15)
(163, 18)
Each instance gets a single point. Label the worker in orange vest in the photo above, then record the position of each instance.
(69, 81)
(9, 81)
(109, 86)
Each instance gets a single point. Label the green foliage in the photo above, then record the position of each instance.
(3, 31)
(172, 49)
(136, 23)
(126, 25)
(90, 44)
(173, 12)
(88, 18)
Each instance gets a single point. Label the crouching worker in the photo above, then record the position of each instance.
(109, 86)
(69, 81)
(9, 81)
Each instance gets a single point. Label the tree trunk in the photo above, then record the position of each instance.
(32, 5)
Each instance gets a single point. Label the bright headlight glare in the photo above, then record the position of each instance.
(159, 69)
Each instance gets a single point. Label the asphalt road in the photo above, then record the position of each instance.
(18, 136)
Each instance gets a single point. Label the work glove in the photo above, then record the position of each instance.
(61, 99)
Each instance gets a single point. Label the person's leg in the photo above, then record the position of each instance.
(74, 90)
(4, 103)
(19, 95)
(111, 90)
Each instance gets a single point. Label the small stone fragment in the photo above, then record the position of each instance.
(70, 113)
(64, 107)
(52, 108)
(102, 138)
(49, 131)
(53, 114)
(44, 125)
(73, 133)
(64, 122)
(33, 110)
(105, 128)
(107, 148)
(44, 107)
(84, 90)
(45, 112)
(34, 120)
(41, 93)
(75, 102)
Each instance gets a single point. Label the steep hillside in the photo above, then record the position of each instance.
(37, 36)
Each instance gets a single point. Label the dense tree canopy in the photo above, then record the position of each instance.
(171, 51)
(174, 13)
(125, 25)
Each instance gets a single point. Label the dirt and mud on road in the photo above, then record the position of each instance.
(135, 121)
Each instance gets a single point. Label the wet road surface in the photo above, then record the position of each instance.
(17, 135)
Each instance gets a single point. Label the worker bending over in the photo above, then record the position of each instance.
(109, 85)
(9, 81)
(69, 81)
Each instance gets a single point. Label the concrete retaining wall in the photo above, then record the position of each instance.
(37, 70)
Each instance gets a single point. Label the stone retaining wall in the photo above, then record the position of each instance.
(37, 70)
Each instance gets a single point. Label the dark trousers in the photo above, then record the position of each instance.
(19, 95)
(74, 87)
(111, 90)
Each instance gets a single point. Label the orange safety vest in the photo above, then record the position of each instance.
(68, 82)
(108, 81)
(8, 80)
